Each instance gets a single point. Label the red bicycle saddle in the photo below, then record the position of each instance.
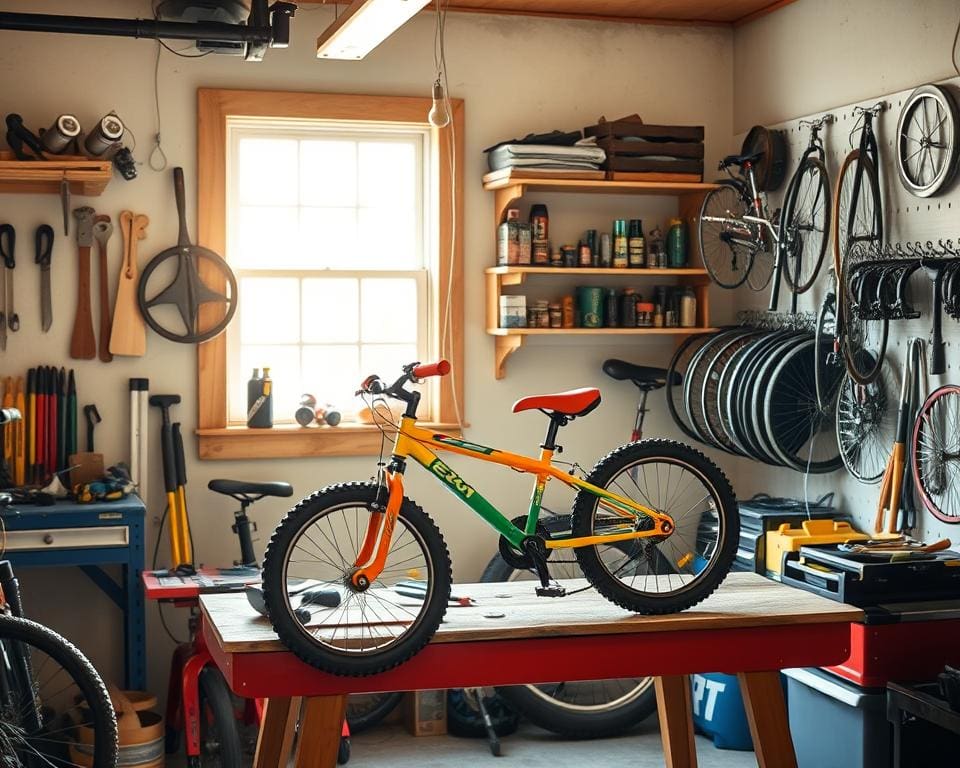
(576, 402)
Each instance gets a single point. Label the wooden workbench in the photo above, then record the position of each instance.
(751, 627)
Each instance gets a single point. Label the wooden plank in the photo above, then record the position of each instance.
(676, 721)
(597, 331)
(743, 600)
(655, 176)
(275, 739)
(650, 165)
(517, 184)
(676, 149)
(767, 716)
(535, 173)
(320, 731)
(606, 271)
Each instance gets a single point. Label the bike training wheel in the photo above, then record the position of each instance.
(927, 149)
(806, 225)
(828, 361)
(54, 707)
(865, 226)
(935, 453)
(365, 710)
(698, 554)
(219, 728)
(587, 709)
(728, 262)
(866, 420)
(372, 630)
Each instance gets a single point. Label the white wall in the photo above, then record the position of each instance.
(816, 54)
(516, 75)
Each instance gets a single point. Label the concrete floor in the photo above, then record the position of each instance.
(529, 747)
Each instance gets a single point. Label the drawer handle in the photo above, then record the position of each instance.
(48, 538)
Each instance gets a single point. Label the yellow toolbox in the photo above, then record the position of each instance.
(787, 539)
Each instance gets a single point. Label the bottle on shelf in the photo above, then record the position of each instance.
(636, 256)
(611, 313)
(540, 222)
(677, 244)
(620, 256)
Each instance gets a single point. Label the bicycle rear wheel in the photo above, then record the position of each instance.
(935, 454)
(806, 225)
(726, 258)
(683, 567)
(371, 629)
(60, 715)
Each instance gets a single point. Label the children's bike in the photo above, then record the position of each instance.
(363, 538)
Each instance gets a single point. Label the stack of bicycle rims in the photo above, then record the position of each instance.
(753, 393)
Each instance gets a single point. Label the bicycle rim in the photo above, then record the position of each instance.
(806, 225)
(727, 261)
(935, 457)
(60, 716)
(926, 141)
(866, 426)
(865, 226)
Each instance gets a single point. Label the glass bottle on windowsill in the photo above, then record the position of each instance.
(260, 401)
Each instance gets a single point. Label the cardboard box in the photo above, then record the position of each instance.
(513, 311)
(425, 713)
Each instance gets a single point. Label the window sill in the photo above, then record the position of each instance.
(289, 441)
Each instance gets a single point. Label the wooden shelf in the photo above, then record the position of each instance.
(88, 178)
(509, 189)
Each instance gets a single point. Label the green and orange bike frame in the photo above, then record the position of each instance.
(417, 443)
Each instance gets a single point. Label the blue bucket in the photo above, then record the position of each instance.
(718, 711)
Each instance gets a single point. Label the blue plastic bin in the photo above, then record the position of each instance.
(718, 710)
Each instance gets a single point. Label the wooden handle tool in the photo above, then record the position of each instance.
(128, 335)
(83, 344)
(102, 231)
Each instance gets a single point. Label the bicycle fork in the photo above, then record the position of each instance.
(376, 541)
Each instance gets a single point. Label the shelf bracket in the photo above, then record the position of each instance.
(504, 347)
(505, 198)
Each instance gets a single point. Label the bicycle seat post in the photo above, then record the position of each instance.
(243, 528)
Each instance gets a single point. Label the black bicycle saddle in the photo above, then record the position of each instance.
(741, 159)
(643, 376)
(237, 488)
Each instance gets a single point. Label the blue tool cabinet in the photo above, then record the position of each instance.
(89, 536)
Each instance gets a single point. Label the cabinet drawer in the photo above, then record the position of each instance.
(68, 538)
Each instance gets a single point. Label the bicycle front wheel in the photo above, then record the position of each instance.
(806, 225)
(859, 209)
(723, 236)
(680, 569)
(54, 708)
(367, 630)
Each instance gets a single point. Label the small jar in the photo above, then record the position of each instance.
(568, 253)
(556, 259)
(657, 316)
(645, 312)
(556, 315)
(688, 308)
(541, 253)
(569, 314)
(542, 307)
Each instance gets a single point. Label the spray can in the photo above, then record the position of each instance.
(260, 411)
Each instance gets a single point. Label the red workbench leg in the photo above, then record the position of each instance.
(320, 730)
(676, 721)
(277, 728)
(767, 715)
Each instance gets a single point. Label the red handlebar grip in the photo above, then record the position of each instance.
(439, 368)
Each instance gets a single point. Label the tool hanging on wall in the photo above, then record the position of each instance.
(30, 426)
(9, 320)
(128, 335)
(138, 435)
(43, 245)
(919, 391)
(188, 291)
(102, 231)
(83, 344)
(174, 480)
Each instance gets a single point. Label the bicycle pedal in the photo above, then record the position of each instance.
(552, 591)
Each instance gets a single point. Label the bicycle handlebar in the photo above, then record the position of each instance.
(439, 368)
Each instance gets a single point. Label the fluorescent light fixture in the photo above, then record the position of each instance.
(364, 25)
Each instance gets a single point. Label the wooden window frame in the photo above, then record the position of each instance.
(216, 440)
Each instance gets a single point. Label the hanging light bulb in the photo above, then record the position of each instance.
(439, 117)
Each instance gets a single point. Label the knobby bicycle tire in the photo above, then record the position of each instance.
(349, 656)
(717, 562)
(100, 719)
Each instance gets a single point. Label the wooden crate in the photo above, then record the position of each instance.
(637, 148)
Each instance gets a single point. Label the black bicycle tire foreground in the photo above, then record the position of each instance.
(586, 709)
(219, 738)
(87, 728)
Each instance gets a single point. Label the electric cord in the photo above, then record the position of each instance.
(953, 49)
(153, 566)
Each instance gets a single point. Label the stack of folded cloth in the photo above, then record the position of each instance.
(585, 155)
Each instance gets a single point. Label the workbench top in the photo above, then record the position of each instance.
(744, 600)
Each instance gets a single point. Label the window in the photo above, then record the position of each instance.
(336, 214)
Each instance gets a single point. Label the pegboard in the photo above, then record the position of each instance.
(906, 218)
